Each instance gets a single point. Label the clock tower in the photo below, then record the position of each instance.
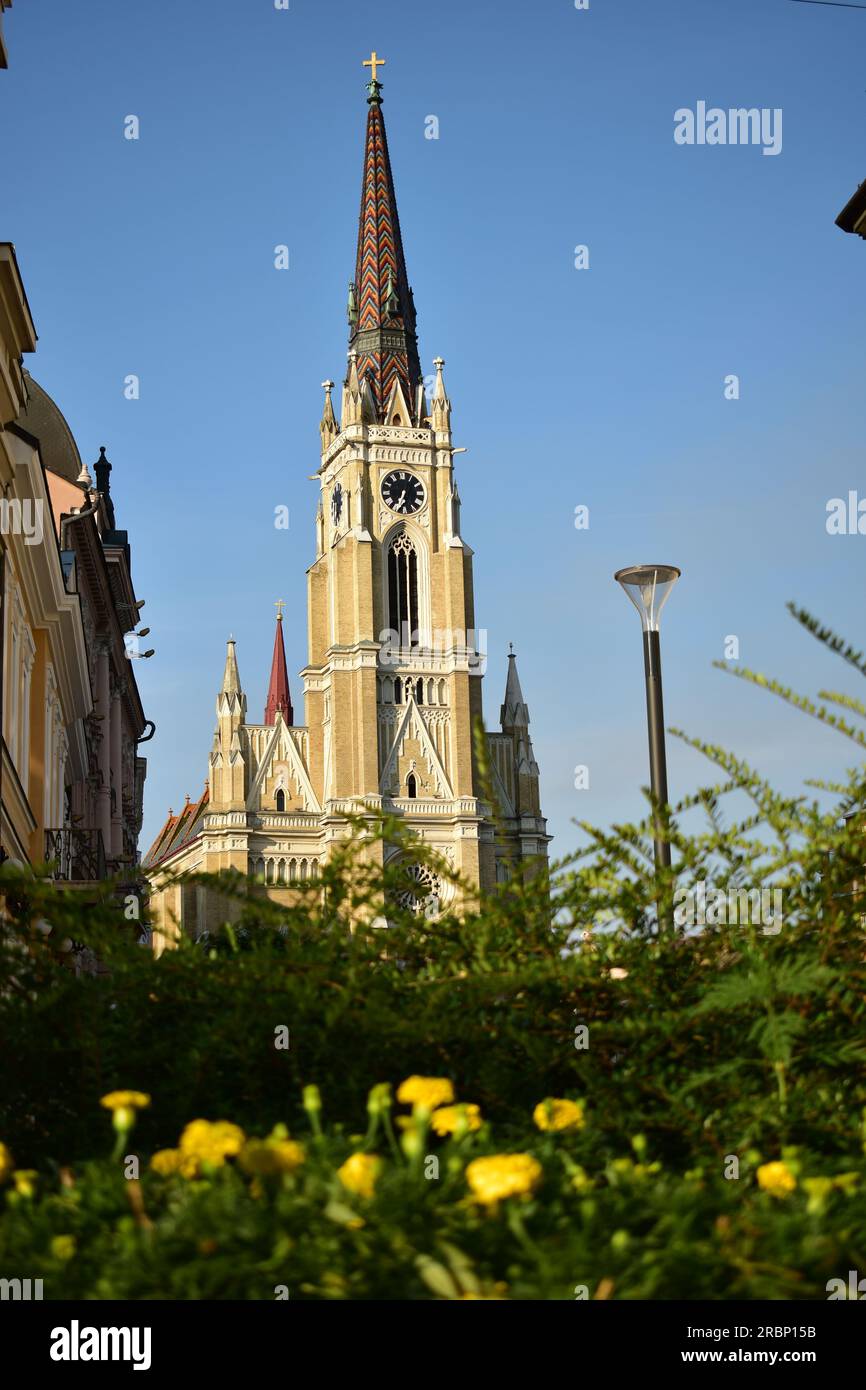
(393, 681)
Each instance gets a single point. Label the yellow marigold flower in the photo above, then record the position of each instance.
(212, 1141)
(359, 1173)
(63, 1247)
(25, 1181)
(426, 1092)
(776, 1178)
(559, 1114)
(6, 1162)
(166, 1162)
(269, 1157)
(123, 1106)
(125, 1100)
(289, 1155)
(452, 1119)
(503, 1175)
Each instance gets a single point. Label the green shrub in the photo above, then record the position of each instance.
(688, 1049)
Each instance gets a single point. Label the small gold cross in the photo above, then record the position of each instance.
(374, 62)
(280, 605)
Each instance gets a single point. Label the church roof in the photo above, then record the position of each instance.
(381, 308)
(278, 686)
(178, 831)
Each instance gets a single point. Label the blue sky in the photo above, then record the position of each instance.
(602, 387)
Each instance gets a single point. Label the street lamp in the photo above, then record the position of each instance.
(648, 587)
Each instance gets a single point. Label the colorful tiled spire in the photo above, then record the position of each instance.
(278, 686)
(381, 310)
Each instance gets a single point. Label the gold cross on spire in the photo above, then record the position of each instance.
(374, 62)
(280, 605)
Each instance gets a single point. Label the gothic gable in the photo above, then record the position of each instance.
(413, 753)
(282, 770)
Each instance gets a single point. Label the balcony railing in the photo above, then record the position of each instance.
(78, 855)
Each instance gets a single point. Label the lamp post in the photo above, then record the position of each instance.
(648, 587)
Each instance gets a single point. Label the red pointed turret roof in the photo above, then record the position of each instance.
(381, 309)
(278, 687)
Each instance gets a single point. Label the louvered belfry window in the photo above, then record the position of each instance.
(403, 589)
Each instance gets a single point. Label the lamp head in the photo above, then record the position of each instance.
(648, 587)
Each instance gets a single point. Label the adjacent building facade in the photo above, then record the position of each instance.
(71, 778)
(393, 682)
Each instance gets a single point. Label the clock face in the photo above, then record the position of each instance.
(336, 504)
(403, 492)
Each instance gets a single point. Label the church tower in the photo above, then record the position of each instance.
(393, 681)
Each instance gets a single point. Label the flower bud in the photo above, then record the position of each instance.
(379, 1100)
(123, 1118)
(412, 1141)
(312, 1100)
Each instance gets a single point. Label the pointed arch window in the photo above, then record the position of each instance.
(281, 800)
(403, 589)
(411, 787)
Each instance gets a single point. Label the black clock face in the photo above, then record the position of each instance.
(402, 492)
(337, 503)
